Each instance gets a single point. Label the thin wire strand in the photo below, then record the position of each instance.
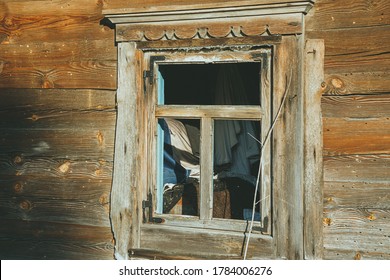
(260, 165)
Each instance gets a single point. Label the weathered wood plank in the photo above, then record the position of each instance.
(59, 20)
(50, 240)
(351, 14)
(206, 168)
(357, 168)
(26, 30)
(210, 111)
(92, 144)
(357, 83)
(343, 136)
(287, 213)
(356, 106)
(57, 120)
(124, 198)
(374, 195)
(216, 28)
(172, 5)
(355, 50)
(51, 7)
(54, 99)
(55, 168)
(77, 210)
(313, 145)
(79, 74)
(351, 254)
(357, 230)
(196, 243)
(56, 53)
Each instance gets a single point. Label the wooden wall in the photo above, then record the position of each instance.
(57, 121)
(356, 116)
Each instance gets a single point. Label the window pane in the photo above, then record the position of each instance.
(211, 84)
(178, 169)
(236, 161)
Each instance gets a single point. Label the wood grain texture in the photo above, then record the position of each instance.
(313, 72)
(28, 240)
(56, 99)
(124, 199)
(375, 106)
(351, 14)
(375, 195)
(357, 168)
(362, 231)
(344, 136)
(355, 50)
(196, 243)
(287, 215)
(357, 83)
(59, 20)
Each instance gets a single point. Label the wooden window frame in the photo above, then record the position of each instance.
(206, 114)
(297, 142)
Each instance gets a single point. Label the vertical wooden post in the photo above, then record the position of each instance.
(206, 169)
(123, 214)
(313, 173)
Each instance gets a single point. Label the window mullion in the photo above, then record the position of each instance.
(206, 168)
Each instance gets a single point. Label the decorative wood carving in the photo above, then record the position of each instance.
(232, 19)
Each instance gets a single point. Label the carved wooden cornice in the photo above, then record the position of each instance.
(230, 19)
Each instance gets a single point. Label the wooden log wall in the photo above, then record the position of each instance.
(356, 118)
(57, 120)
(57, 127)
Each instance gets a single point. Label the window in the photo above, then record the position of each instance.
(173, 194)
(211, 113)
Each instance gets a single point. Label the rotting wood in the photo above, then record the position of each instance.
(314, 52)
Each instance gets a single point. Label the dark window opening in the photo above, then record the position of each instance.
(236, 148)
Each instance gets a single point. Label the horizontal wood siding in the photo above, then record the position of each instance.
(56, 162)
(55, 44)
(52, 240)
(356, 128)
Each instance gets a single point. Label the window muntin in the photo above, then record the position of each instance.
(207, 114)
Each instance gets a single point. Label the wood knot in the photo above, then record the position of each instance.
(34, 118)
(337, 83)
(372, 217)
(334, 85)
(100, 138)
(65, 167)
(25, 205)
(358, 256)
(18, 159)
(327, 221)
(18, 187)
(10, 24)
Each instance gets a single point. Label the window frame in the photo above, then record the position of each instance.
(207, 114)
(297, 220)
